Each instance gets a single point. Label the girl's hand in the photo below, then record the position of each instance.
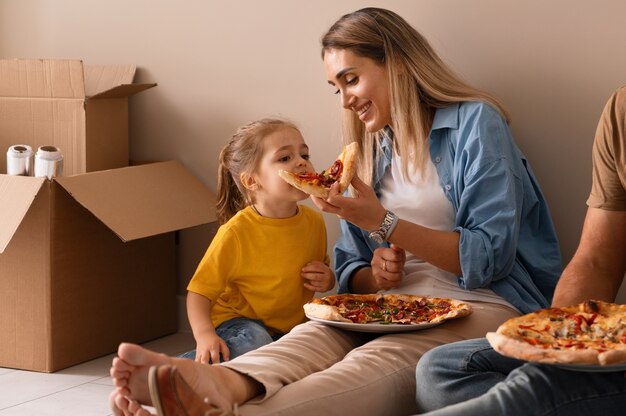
(388, 267)
(363, 210)
(318, 277)
(209, 347)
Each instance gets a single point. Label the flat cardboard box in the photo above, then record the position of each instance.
(88, 261)
(81, 109)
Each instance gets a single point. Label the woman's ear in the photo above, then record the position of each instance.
(248, 181)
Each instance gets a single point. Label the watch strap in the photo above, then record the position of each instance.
(390, 221)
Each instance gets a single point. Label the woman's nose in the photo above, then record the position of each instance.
(347, 100)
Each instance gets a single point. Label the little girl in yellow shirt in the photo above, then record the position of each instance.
(268, 257)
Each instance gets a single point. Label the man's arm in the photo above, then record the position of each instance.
(597, 269)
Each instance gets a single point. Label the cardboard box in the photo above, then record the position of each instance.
(88, 261)
(81, 109)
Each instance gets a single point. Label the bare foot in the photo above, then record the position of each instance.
(222, 386)
(129, 371)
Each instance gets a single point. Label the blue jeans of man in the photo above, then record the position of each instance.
(241, 335)
(470, 378)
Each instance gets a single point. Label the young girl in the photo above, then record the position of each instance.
(268, 257)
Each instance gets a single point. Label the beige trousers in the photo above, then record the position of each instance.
(320, 370)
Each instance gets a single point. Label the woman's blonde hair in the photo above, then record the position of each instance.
(419, 82)
(241, 155)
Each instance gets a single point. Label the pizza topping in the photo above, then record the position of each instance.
(335, 170)
(591, 306)
(325, 178)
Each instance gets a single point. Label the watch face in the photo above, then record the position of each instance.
(376, 237)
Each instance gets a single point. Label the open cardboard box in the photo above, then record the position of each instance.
(81, 109)
(88, 261)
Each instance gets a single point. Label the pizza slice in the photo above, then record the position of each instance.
(318, 184)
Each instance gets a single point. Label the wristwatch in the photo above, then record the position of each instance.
(386, 228)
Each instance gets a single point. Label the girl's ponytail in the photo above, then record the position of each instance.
(230, 198)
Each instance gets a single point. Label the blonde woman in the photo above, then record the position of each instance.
(446, 206)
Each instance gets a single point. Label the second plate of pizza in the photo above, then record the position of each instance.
(384, 313)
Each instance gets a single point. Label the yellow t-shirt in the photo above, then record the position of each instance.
(252, 267)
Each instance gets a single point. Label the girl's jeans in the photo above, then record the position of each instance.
(241, 335)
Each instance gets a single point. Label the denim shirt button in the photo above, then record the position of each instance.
(438, 159)
(448, 187)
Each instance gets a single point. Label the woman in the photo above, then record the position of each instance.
(453, 210)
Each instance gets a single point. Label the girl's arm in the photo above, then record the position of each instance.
(209, 344)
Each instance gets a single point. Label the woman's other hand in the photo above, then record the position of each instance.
(388, 267)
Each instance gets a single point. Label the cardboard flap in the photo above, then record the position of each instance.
(123, 91)
(141, 201)
(100, 78)
(16, 196)
(41, 78)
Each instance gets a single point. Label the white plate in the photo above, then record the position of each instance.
(591, 368)
(375, 326)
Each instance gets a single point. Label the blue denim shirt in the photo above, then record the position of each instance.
(507, 239)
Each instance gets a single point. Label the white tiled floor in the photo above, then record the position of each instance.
(80, 390)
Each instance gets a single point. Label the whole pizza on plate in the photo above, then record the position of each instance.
(386, 309)
(592, 332)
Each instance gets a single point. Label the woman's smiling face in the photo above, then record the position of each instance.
(362, 84)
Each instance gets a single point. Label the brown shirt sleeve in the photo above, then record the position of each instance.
(608, 189)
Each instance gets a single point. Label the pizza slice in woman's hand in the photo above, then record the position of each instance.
(318, 184)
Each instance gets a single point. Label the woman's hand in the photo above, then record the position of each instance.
(363, 210)
(388, 267)
(318, 277)
(209, 347)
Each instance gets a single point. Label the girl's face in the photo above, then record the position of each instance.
(363, 86)
(283, 149)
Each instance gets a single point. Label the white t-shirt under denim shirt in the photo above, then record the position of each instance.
(423, 202)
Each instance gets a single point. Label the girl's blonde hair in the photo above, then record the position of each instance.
(241, 155)
(419, 83)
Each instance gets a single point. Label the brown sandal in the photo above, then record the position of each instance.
(172, 396)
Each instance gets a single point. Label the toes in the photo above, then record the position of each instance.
(120, 372)
(113, 405)
(121, 365)
(120, 381)
(119, 403)
(135, 409)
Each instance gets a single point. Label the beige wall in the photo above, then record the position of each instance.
(220, 64)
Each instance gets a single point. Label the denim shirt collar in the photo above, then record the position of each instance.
(446, 118)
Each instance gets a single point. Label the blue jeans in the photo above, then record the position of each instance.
(241, 335)
(482, 382)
